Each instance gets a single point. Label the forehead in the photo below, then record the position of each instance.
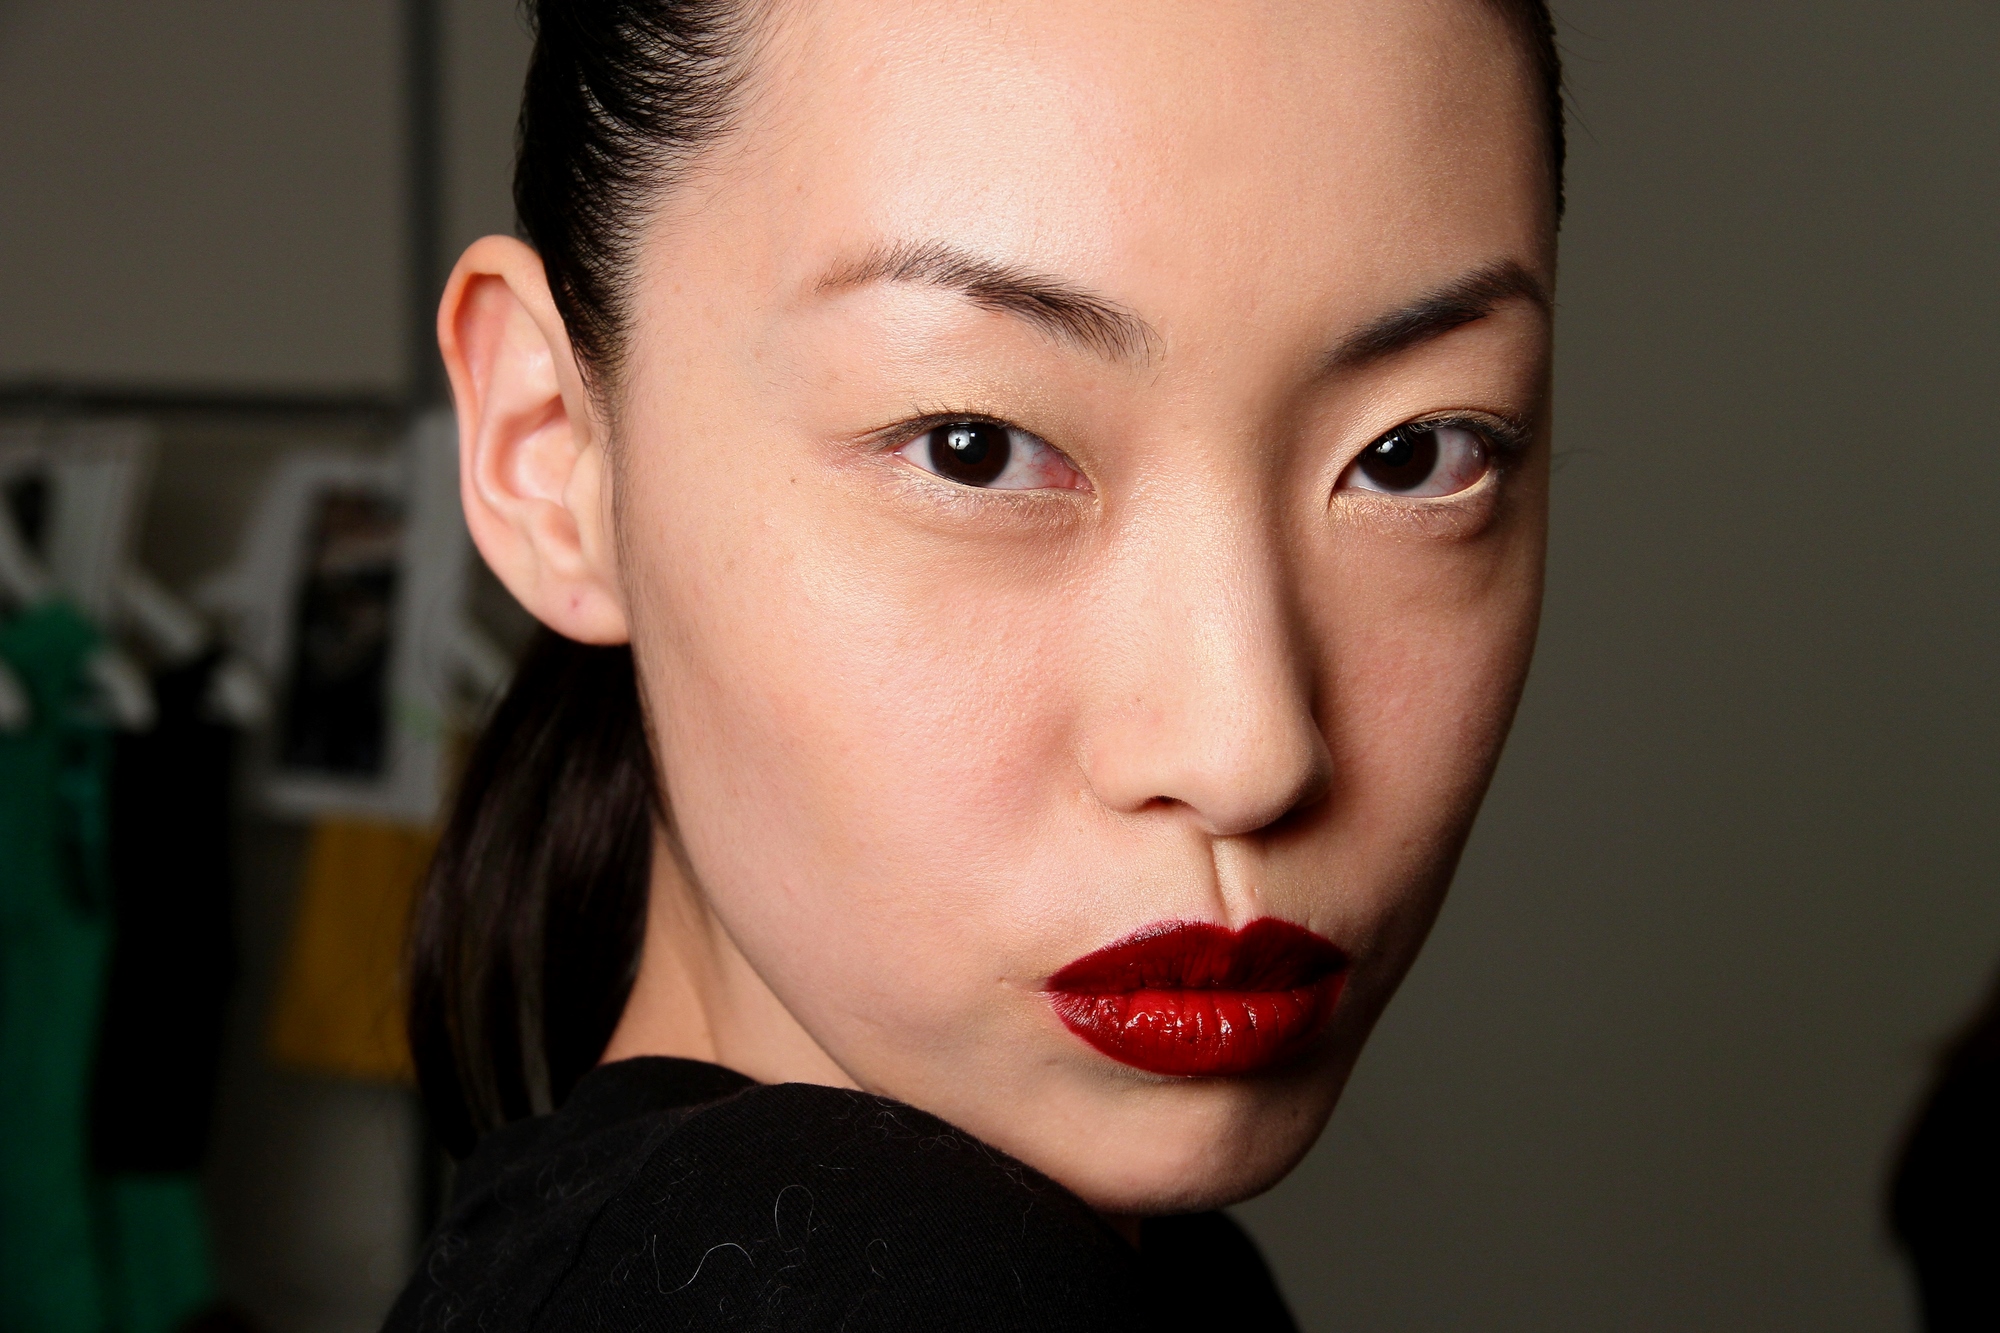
(1276, 144)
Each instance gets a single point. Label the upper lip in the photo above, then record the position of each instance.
(1268, 954)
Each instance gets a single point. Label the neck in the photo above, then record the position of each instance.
(697, 997)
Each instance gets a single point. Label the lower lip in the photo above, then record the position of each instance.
(1197, 1000)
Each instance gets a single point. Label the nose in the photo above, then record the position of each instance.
(1208, 694)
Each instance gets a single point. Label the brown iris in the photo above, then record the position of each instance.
(972, 453)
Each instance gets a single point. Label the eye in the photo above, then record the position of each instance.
(992, 457)
(1422, 461)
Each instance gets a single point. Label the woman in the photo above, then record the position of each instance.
(1040, 507)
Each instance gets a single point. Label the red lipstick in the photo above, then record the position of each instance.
(1186, 997)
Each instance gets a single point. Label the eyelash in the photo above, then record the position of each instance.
(1510, 436)
(892, 438)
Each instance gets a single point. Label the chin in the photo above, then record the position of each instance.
(1187, 1145)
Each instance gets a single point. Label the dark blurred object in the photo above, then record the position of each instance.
(173, 959)
(173, 963)
(220, 1318)
(1945, 1199)
(337, 718)
(28, 502)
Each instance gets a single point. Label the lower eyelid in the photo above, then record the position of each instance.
(1439, 518)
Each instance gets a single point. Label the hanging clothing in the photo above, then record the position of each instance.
(54, 933)
(153, 1235)
(173, 956)
(340, 1002)
(173, 963)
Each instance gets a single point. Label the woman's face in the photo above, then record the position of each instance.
(1020, 554)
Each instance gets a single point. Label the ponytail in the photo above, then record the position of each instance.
(525, 940)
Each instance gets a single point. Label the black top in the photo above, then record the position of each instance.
(1945, 1201)
(173, 943)
(670, 1194)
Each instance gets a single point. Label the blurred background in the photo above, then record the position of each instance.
(1732, 893)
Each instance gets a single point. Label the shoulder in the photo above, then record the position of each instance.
(799, 1208)
(804, 1207)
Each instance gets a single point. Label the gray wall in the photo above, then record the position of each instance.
(208, 195)
(203, 194)
(1731, 884)
(1736, 875)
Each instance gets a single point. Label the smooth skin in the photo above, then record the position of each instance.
(925, 743)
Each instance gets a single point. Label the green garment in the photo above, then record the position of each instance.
(78, 1253)
(155, 1237)
(54, 934)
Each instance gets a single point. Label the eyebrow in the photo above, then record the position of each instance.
(1465, 301)
(1114, 332)
(1068, 312)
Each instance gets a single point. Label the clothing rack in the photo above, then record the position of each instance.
(172, 857)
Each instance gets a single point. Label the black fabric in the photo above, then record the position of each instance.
(1946, 1195)
(173, 955)
(673, 1195)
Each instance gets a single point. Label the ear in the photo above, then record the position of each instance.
(532, 468)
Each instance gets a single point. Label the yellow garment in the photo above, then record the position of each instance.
(340, 1001)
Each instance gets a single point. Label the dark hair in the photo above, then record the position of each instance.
(526, 937)
(525, 941)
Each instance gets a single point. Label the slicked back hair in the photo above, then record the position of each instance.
(525, 942)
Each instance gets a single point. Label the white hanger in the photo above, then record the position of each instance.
(174, 630)
(238, 693)
(122, 686)
(123, 689)
(178, 634)
(98, 472)
(95, 479)
(434, 651)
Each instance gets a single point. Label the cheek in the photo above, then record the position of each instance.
(1427, 650)
(863, 744)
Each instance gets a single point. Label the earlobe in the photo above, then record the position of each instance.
(532, 470)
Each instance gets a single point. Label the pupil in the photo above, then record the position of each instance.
(1402, 460)
(972, 453)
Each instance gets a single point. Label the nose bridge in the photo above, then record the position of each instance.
(1214, 713)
